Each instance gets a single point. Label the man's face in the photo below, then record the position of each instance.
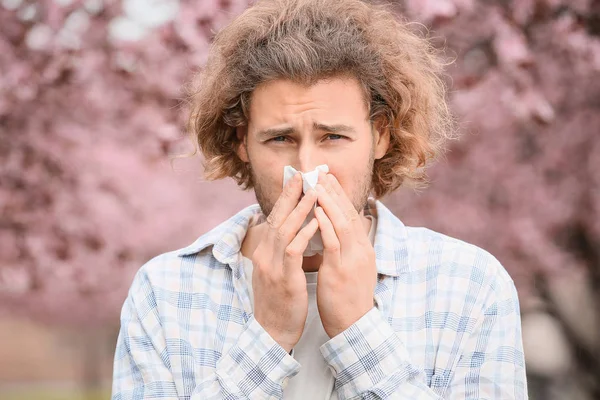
(327, 123)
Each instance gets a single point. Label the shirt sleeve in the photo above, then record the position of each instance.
(370, 361)
(255, 367)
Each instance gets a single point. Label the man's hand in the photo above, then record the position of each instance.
(348, 276)
(278, 280)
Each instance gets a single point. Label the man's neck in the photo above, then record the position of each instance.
(309, 264)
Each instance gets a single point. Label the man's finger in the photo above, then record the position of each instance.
(286, 202)
(337, 193)
(295, 250)
(289, 229)
(325, 182)
(298, 214)
(331, 244)
(343, 223)
(344, 202)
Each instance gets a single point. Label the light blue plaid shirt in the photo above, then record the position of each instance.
(446, 325)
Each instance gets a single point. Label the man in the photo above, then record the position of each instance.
(381, 310)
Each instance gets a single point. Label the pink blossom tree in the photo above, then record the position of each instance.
(88, 121)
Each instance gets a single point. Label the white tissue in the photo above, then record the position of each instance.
(309, 181)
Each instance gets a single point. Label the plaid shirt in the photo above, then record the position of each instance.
(446, 325)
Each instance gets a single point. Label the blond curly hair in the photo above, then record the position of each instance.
(399, 70)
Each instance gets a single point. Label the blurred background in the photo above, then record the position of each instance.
(91, 110)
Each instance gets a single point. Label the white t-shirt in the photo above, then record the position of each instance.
(315, 379)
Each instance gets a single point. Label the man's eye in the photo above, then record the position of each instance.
(279, 139)
(334, 136)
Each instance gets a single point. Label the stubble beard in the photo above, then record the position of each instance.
(266, 198)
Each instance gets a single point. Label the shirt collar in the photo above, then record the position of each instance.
(391, 243)
(226, 239)
(391, 240)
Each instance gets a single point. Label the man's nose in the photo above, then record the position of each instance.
(308, 158)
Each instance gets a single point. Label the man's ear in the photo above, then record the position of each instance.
(242, 148)
(381, 136)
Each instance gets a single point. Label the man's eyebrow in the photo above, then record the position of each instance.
(274, 132)
(336, 128)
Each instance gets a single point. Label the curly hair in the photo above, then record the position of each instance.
(399, 70)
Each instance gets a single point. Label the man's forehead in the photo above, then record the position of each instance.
(334, 105)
